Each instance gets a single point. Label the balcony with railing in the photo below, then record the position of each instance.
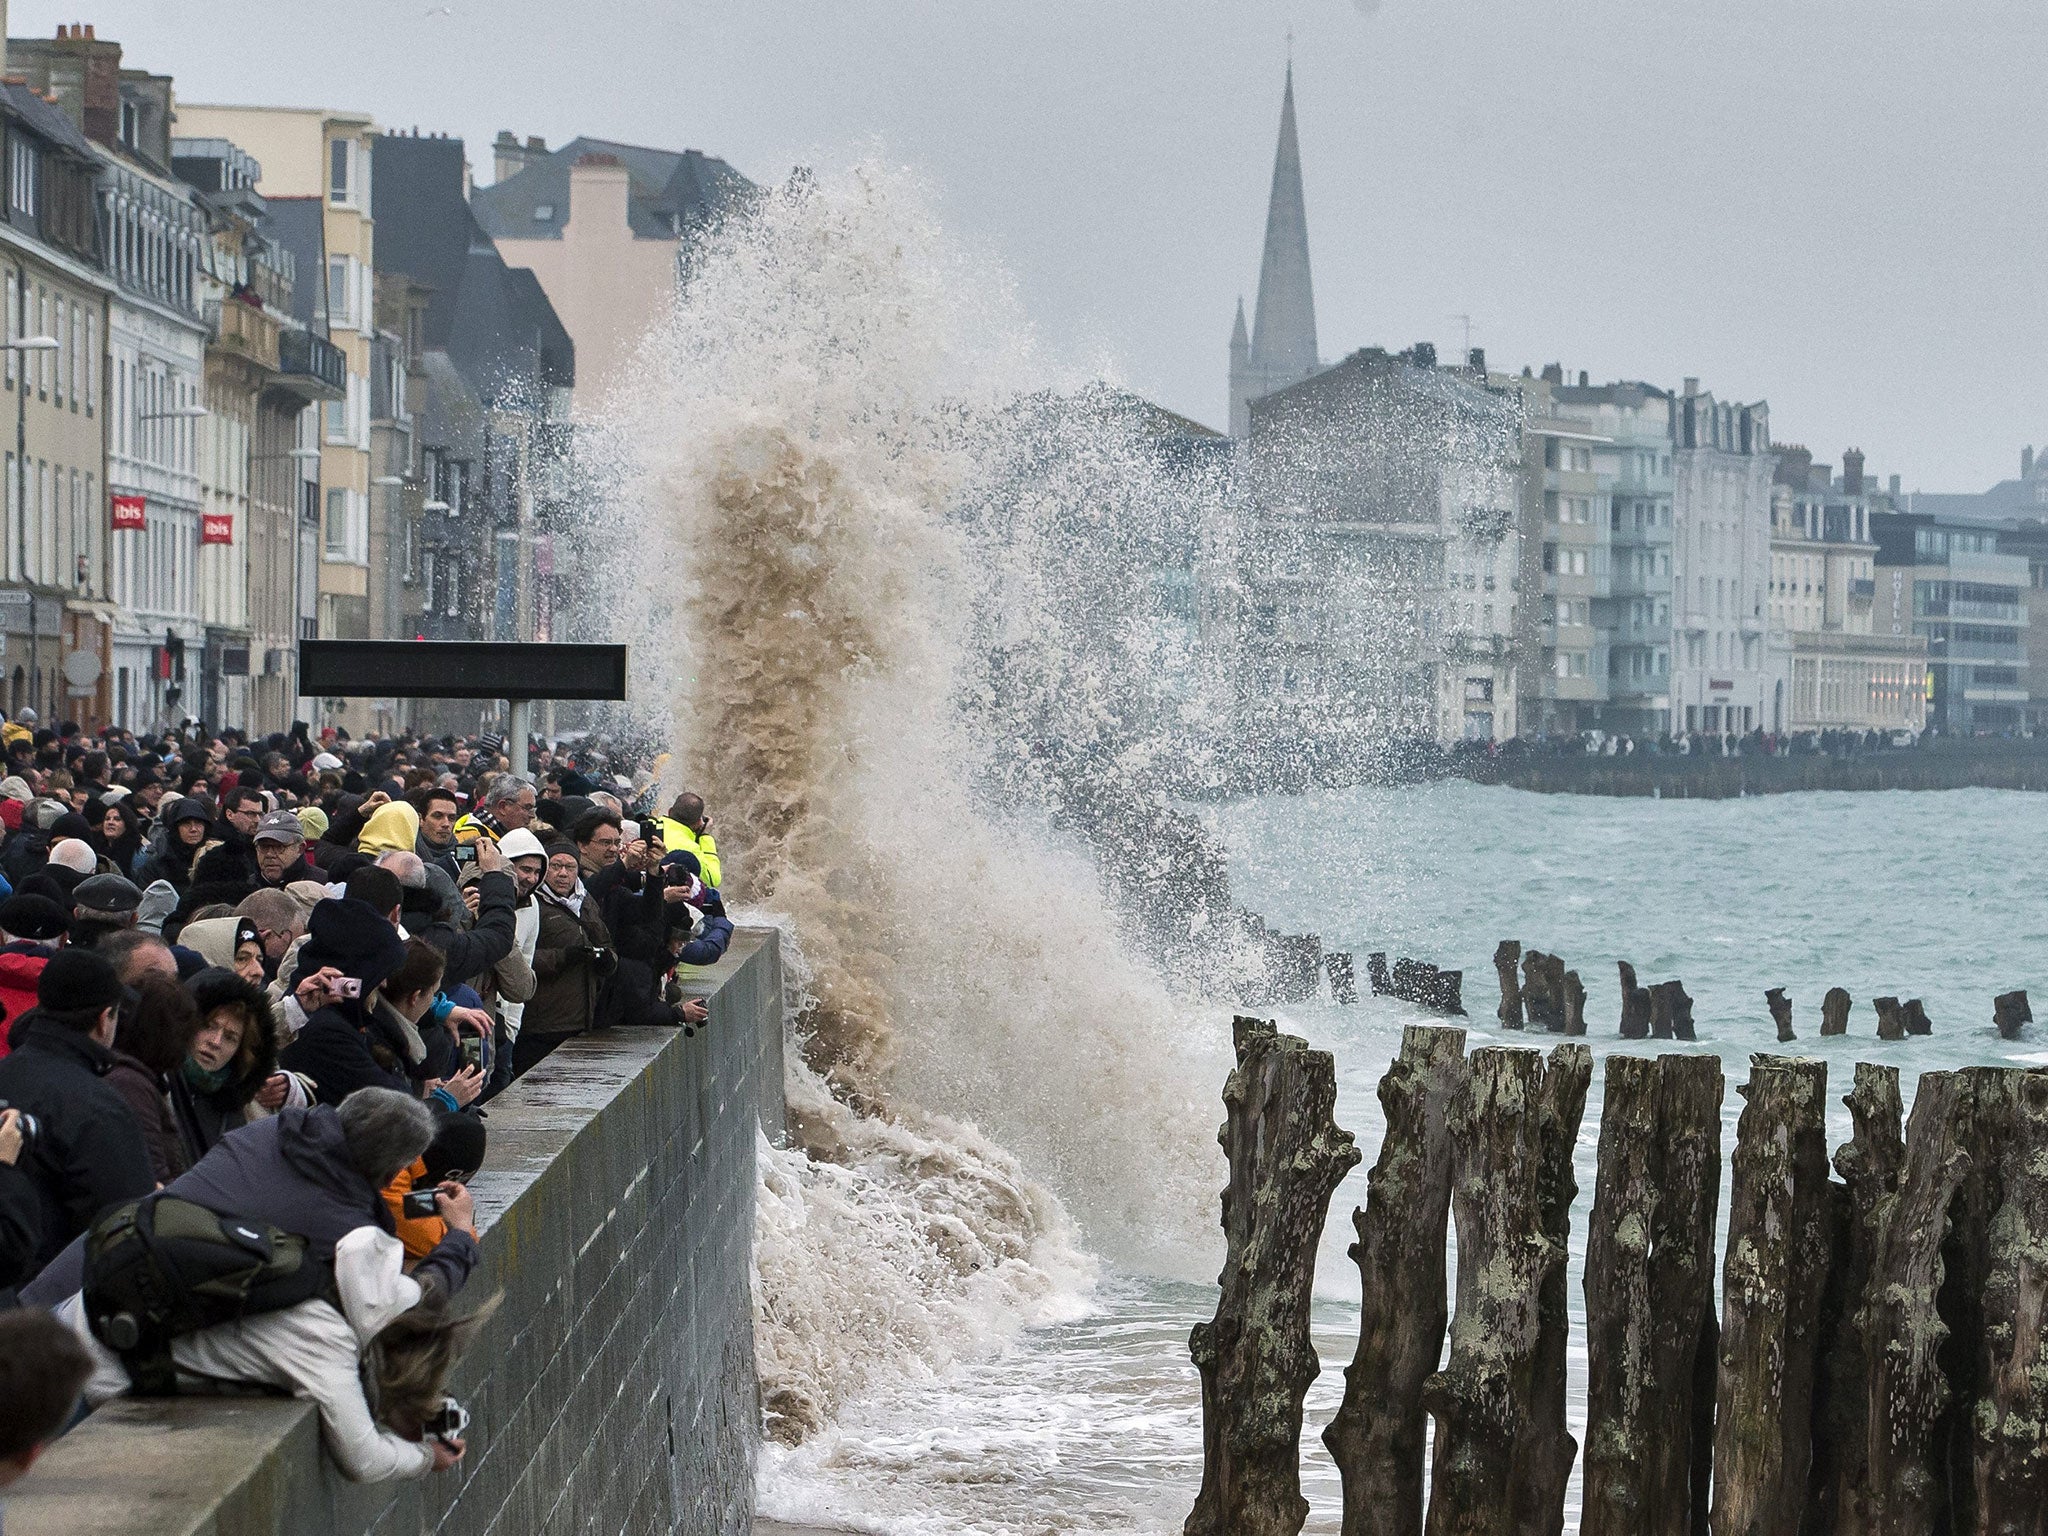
(243, 330)
(311, 367)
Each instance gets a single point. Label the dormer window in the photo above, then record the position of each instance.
(131, 124)
(543, 213)
(24, 170)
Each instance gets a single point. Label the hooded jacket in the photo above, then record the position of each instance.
(143, 1092)
(203, 1117)
(392, 828)
(291, 1170)
(21, 967)
(314, 1351)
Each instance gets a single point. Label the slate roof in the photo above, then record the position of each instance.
(668, 192)
(298, 225)
(45, 119)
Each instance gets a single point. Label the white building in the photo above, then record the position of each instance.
(1726, 677)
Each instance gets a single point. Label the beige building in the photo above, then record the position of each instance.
(314, 156)
(1822, 590)
(601, 226)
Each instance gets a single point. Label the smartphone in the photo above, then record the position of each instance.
(419, 1204)
(348, 986)
(472, 1051)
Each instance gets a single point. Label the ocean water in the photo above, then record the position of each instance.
(1086, 1417)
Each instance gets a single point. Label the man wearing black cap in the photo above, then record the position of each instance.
(88, 1151)
(101, 905)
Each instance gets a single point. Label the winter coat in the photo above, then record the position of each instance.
(91, 1154)
(471, 953)
(291, 1170)
(21, 967)
(314, 1351)
(21, 1229)
(230, 861)
(143, 1092)
(203, 1118)
(171, 863)
(337, 1050)
(569, 979)
(677, 838)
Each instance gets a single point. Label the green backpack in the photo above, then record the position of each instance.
(161, 1267)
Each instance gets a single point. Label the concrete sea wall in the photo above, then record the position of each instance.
(614, 1391)
(1990, 764)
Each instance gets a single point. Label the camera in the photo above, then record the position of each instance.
(418, 1204)
(348, 986)
(31, 1127)
(599, 953)
(448, 1422)
(465, 853)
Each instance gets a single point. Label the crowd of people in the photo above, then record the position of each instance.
(255, 998)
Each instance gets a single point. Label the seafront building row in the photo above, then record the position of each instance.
(278, 372)
(1436, 548)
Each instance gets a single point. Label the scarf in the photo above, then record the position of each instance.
(202, 1081)
(573, 901)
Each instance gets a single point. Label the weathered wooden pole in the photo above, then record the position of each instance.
(1834, 1011)
(1663, 1011)
(1891, 1018)
(1507, 959)
(1377, 1438)
(1343, 976)
(1650, 1325)
(2009, 1010)
(1895, 1481)
(1377, 974)
(1781, 1013)
(1535, 988)
(1256, 1358)
(1501, 1450)
(1574, 1004)
(1998, 1299)
(1858, 1209)
(1917, 1022)
(1772, 1281)
(1635, 1005)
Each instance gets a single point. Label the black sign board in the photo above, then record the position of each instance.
(459, 669)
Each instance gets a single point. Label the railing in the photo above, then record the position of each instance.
(314, 360)
(243, 330)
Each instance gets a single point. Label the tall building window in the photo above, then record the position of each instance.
(24, 175)
(341, 171)
(335, 533)
(92, 363)
(341, 307)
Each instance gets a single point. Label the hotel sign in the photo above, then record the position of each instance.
(131, 512)
(217, 528)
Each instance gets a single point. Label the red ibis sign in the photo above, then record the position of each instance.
(131, 512)
(217, 528)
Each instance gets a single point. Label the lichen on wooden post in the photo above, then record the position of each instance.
(1650, 1325)
(1772, 1281)
(1377, 1438)
(1286, 1156)
(1507, 957)
(1781, 1013)
(1834, 1011)
(1494, 1464)
(2000, 1248)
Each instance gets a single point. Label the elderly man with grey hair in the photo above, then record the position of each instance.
(319, 1172)
(507, 805)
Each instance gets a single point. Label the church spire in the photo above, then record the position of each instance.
(1282, 349)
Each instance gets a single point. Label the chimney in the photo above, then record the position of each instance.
(1692, 387)
(1582, 378)
(507, 158)
(1553, 373)
(2026, 454)
(1474, 359)
(1895, 487)
(536, 146)
(1852, 471)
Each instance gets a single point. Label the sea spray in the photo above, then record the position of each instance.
(979, 1054)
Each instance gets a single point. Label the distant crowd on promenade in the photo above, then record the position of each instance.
(1753, 743)
(255, 997)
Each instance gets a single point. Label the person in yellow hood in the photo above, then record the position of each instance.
(393, 827)
(687, 829)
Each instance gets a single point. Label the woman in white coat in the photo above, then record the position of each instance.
(315, 1352)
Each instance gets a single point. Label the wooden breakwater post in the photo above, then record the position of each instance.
(1781, 1013)
(1343, 976)
(1635, 1005)
(1891, 1018)
(1651, 1333)
(1773, 1278)
(1256, 1359)
(1834, 1011)
(2009, 1011)
(1671, 1011)
(1507, 959)
(1502, 1454)
(1377, 1438)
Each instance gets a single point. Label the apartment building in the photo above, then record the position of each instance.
(1948, 579)
(1841, 674)
(314, 159)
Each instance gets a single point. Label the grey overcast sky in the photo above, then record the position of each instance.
(1832, 204)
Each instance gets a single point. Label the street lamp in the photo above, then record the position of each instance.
(25, 345)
